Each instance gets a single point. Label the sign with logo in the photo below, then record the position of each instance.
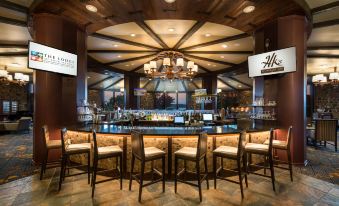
(139, 92)
(46, 58)
(200, 92)
(275, 62)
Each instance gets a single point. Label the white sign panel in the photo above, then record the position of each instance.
(139, 92)
(275, 62)
(200, 92)
(53, 60)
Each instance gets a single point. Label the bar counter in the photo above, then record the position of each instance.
(169, 139)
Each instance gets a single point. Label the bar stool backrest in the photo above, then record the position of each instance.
(241, 143)
(138, 145)
(326, 130)
(95, 143)
(45, 134)
(289, 136)
(202, 145)
(271, 140)
(63, 135)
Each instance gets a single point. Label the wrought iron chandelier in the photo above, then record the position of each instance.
(173, 67)
(321, 79)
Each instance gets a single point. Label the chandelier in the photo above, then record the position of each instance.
(321, 79)
(172, 67)
(19, 78)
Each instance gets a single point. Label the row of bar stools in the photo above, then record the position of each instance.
(145, 155)
(194, 155)
(48, 145)
(69, 149)
(105, 153)
(233, 153)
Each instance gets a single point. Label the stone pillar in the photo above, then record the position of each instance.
(289, 90)
(56, 95)
(131, 82)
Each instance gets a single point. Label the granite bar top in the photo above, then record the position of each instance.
(159, 131)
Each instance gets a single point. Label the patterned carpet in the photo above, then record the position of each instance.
(16, 160)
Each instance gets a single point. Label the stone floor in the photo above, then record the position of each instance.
(304, 190)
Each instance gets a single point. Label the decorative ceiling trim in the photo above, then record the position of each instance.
(189, 33)
(114, 83)
(220, 52)
(209, 60)
(152, 34)
(100, 81)
(124, 41)
(130, 59)
(332, 22)
(226, 83)
(218, 41)
(324, 8)
(241, 82)
(13, 22)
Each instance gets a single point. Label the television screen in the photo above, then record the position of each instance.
(179, 120)
(46, 58)
(207, 117)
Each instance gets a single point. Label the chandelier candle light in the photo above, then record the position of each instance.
(322, 79)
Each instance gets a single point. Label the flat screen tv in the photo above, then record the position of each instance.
(49, 59)
(179, 120)
(207, 117)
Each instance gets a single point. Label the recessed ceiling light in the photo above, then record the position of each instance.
(106, 73)
(132, 64)
(127, 65)
(91, 8)
(132, 35)
(115, 45)
(170, 1)
(248, 9)
(224, 46)
(207, 35)
(229, 81)
(214, 65)
(88, 77)
(14, 64)
(236, 44)
(239, 86)
(119, 56)
(209, 64)
(222, 57)
(171, 29)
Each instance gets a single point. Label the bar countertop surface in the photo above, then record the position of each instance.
(158, 131)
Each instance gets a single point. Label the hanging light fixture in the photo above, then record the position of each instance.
(321, 79)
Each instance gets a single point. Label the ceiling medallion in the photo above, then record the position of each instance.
(173, 67)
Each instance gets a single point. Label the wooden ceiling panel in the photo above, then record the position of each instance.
(325, 36)
(15, 64)
(128, 66)
(109, 57)
(94, 43)
(208, 65)
(25, 3)
(214, 32)
(321, 65)
(317, 3)
(326, 16)
(14, 34)
(163, 29)
(223, 86)
(232, 58)
(9, 13)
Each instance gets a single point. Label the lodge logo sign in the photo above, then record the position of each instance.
(51, 59)
(275, 62)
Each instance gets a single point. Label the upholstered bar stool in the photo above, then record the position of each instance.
(69, 149)
(144, 155)
(264, 150)
(104, 153)
(49, 145)
(194, 155)
(233, 153)
(285, 146)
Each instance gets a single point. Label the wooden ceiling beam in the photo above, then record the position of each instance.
(142, 65)
(147, 83)
(124, 41)
(241, 82)
(152, 34)
(328, 56)
(325, 7)
(326, 23)
(218, 41)
(114, 83)
(194, 84)
(13, 45)
(189, 33)
(184, 85)
(14, 22)
(100, 81)
(13, 54)
(226, 83)
(209, 60)
(117, 51)
(130, 59)
(13, 6)
(323, 48)
(238, 69)
(157, 85)
(220, 52)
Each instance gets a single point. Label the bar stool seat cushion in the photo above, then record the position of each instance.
(153, 152)
(109, 150)
(226, 151)
(189, 152)
(256, 148)
(277, 144)
(53, 144)
(78, 147)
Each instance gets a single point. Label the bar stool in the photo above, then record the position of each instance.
(145, 155)
(266, 151)
(285, 146)
(194, 155)
(69, 149)
(233, 153)
(105, 153)
(49, 145)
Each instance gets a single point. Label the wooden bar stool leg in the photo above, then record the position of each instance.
(198, 177)
(175, 173)
(163, 173)
(141, 179)
(245, 170)
(95, 167)
(121, 172)
(63, 162)
(46, 160)
(185, 169)
(290, 163)
(152, 169)
(88, 167)
(43, 165)
(206, 172)
(131, 175)
(272, 171)
(240, 178)
(215, 170)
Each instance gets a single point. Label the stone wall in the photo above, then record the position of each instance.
(94, 96)
(326, 97)
(234, 98)
(147, 101)
(14, 92)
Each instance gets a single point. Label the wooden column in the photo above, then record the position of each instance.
(210, 84)
(55, 95)
(289, 90)
(131, 82)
